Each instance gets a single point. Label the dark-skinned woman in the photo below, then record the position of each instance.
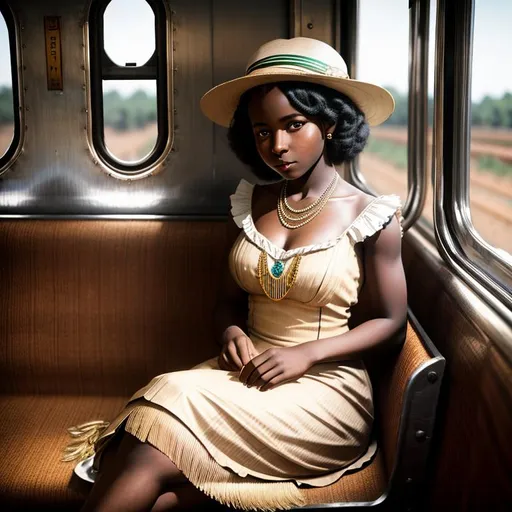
(288, 403)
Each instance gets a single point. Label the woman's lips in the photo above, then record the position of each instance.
(285, 166)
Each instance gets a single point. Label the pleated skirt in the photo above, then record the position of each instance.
(249, 449)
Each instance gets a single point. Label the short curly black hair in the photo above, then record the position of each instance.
(312, 100)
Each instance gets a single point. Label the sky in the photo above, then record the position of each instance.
(383, 44)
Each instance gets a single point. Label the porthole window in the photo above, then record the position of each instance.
(490, 155)
(130, 85)
(9, 100)
(383, 58)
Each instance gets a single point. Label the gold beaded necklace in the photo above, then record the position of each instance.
(276, 283)
(292, 218)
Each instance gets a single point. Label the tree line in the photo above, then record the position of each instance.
(490, 112)
(135, 111)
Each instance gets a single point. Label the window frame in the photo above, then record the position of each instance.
(13, 151)
(160, 67)
(417, 125)
(483, 267)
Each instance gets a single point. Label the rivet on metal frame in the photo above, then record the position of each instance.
(432, 377)
(421, 436)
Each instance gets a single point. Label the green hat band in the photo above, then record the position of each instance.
(299, 61)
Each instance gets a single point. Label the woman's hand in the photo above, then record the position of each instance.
(237, 349)
(275, 366)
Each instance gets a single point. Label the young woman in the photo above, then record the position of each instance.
(288, 402)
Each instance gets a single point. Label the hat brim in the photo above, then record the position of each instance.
(220, 102)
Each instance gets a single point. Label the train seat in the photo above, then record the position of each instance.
(91, 310)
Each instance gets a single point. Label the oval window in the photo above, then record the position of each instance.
(129, 32)
(6, 93)
(131, 87)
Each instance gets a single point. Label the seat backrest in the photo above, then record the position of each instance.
(100, 307)
(406, 393)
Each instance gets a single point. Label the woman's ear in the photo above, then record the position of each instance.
(328, 134)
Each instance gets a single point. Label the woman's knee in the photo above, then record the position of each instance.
(135, 453)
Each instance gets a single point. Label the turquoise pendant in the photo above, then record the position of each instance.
(277, 269)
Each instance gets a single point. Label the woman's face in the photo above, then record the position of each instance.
(288, 142)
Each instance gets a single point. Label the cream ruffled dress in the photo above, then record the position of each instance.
(251, 449)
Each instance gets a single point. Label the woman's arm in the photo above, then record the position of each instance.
(385, 296)
(231, 316)
(231, 306)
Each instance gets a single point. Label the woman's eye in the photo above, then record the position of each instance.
(296, 125)
(262, 134)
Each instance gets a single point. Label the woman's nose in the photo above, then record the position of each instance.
(280, 145)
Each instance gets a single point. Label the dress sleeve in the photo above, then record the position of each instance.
(241, 202)
(376, 216)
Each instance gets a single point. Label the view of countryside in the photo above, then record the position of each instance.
(384, 164)
(130, 109)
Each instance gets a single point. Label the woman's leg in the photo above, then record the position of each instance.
(184, 497)
(133, 480)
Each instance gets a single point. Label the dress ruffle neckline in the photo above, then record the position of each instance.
(377, 214)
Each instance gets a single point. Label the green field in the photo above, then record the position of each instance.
(392, 152)
(395, 153)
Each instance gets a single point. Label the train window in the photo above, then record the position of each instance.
(490, 153)
(383, 57)
(130, 85)
(9, 101)
(130, 120)
(120, 45)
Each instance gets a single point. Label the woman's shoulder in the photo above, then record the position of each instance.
(371, 213)
(241, 202)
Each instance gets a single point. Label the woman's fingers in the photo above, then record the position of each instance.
(237, 353)
(225, 363)
(278, 379)
(268, 377)
(233, 355)
(242, 345)
(252, 365)
(259, 372)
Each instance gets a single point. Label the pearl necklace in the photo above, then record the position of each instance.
(292, 218)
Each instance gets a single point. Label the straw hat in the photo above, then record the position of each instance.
(297, 59)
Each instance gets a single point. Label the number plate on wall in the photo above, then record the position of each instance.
(53, 53)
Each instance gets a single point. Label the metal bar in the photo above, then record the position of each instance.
(349, 36)
(418, 100)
